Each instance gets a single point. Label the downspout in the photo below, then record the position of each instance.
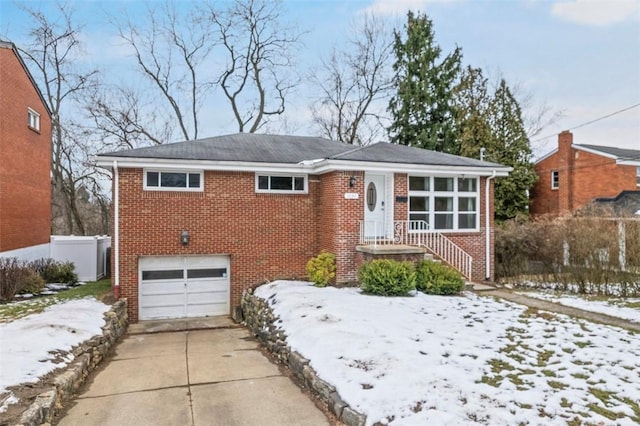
(116, 230)
(487, 229)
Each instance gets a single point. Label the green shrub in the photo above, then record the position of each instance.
(322, 268)
(436, 278)
(386, 277)
(55, 272)
(31, 282)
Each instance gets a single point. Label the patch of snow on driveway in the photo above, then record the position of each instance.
(27, 343)
(457, 360)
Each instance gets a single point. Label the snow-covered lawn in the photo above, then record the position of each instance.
(460, 360)
(37, 344)
(614, 307)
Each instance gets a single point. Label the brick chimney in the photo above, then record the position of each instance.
(565, 172)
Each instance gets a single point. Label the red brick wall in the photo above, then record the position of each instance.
(267, 236)
(583, 176)
(25, 160)
(338, 224)
(545, 200)
(400, 189)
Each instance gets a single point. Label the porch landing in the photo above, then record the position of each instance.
(390, 249)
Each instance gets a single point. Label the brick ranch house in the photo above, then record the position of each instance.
(25, 161)
(195, 223)
(575, 175)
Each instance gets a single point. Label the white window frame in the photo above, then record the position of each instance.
(33, 119)
(174, 189)
(638, 176)
(455, 194)
(283, 191)
(555, 183)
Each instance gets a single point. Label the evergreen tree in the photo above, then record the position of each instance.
(472, 99)
(510, 146)
(422, 108)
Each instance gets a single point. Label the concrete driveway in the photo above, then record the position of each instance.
(199, 377)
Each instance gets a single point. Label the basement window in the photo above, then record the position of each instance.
(163, 180)
(555, 179)
(33, 120)
(282, 184)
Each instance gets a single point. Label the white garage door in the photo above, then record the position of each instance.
(185, 286)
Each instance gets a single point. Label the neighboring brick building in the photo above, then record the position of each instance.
(197, 222)
(575, 175)
(25, 158)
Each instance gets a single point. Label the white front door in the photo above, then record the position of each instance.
(183, 286)
(374, 206)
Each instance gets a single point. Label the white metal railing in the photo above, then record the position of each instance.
(417, 233)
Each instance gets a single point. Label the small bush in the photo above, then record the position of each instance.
(436, 278)
(55, 272)
(16, 277)
(387, 277)
(32, 282)
(322, 268)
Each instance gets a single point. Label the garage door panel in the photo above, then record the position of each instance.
(162, 287)
(162, 312)
(205, 309)
(206, 292)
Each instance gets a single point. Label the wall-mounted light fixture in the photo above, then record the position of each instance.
(184, 238)
(352, 181)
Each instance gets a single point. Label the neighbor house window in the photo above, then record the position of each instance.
(161, 180)
(281, 183)
(443, 203)
(637, 176)
(33, 119)
(555, 179)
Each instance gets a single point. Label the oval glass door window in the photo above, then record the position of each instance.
(372, 195)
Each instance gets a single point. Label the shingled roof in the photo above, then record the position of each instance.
(619, 153)
(263, 148)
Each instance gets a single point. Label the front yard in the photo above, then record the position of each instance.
(37, 336)
(460, 360)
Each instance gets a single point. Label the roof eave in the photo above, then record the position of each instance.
(547, 155)
(594, 151)
(316, 167)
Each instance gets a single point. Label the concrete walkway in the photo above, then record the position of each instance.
(561, 309)
(192, 377)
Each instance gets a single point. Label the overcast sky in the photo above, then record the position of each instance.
(581, 57)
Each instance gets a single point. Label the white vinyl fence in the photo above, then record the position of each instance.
(88, 254)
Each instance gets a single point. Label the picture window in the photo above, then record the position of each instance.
(443, 203)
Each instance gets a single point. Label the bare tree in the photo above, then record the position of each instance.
(52, 52)
(351, 81)
(258, 48)
(123, 119)
(169, 54)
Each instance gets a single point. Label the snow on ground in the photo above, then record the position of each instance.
(608, 307)
(27, 343)
(460, 360)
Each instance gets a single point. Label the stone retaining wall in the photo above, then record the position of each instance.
(88, 356)
(261, 321)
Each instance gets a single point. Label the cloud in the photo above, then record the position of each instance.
(399, 7)
(597, 12)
